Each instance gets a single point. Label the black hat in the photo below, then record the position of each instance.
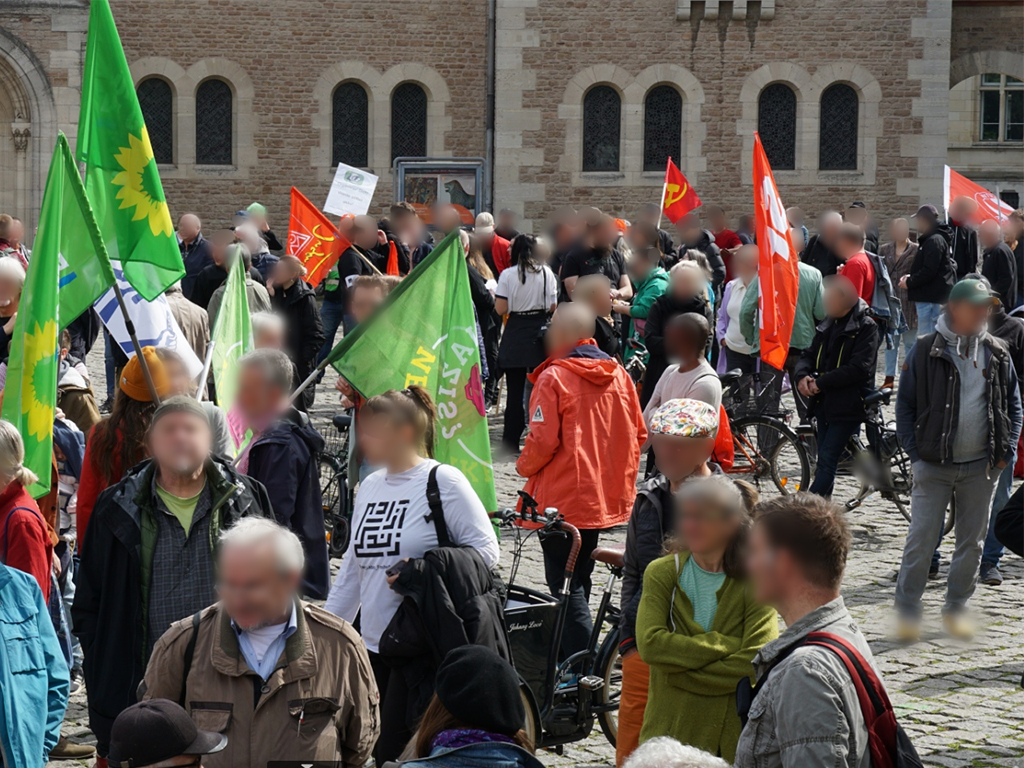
(929, 212)
(858, 204)
(153, 731)
(481, 690)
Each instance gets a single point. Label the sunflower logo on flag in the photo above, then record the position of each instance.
(140, 184)
(37, 401)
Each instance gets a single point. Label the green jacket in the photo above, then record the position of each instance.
(653, 286)
(694, 673)
(810, 310)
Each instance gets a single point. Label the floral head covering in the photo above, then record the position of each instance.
(685, 418)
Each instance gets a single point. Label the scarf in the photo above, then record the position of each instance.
(462, 737)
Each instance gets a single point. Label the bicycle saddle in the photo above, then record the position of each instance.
(878, 396)
(730, 377)
(613, 556)
(342, 422)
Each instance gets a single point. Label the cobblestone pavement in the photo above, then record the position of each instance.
(962, 704)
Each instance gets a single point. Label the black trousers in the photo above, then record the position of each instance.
(515, 414)
(771, 384)
(578, 622)
(492, 340)
(394, 707)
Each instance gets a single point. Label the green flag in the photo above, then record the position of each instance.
(231, 338)
(121, 176)
(425, 334)
(30, 393)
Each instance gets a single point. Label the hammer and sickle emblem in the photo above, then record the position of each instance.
(671, 198)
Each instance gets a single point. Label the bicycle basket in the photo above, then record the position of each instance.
(335, 441)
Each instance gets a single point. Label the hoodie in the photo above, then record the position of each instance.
(933, 272)
(586, 428)
(969, 442)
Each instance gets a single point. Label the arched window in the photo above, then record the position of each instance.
(776, 125)
(837, 144)
(350, 121)
(408, 121)
(213, 123)
(601, 125)
(663, 126)
(157, 104)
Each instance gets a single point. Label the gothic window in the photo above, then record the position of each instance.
(776, 125)
(601, 125)
(213, 123)
(663, 126)
(408, 121)
(350, 120)
(157, 101)
(1002, 108)
(837, 145)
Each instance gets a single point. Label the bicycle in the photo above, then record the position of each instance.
(562, 698)
(334, 486)
(636, 366)
(880, 465)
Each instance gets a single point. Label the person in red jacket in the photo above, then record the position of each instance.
(583, 452)
(495, 247)
(856, 266)
(25, 542)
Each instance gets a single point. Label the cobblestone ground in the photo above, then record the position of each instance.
(962, 704)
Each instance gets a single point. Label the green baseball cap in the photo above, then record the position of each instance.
(974, 292)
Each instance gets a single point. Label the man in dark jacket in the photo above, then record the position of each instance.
(963, 242)
(998, 264)
(932, 272)
(683, 435)
(835, 372)
(294, 300)
(958, 416)
(819, 252)
(694, 237)
(215, 275)
(356, 260)
(148, 554)
(857, 214)
(195, 251)
(285, 458)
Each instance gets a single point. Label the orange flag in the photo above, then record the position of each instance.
(392, 267)
(989, 205)
(678, 198)
(312, 239)
(777, 270)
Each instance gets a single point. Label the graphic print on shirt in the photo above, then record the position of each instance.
(380, 531)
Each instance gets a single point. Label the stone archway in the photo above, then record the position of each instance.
(981, 62)
(15, 135)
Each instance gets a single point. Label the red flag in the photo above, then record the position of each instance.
(392, 267)
(777, 270)
(678, 198)
(312, 239)
(989, 205)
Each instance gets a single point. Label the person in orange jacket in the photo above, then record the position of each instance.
(582, 454)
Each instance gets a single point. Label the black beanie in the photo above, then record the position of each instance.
(481, 690)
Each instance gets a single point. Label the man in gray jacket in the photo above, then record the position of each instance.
(805, 711)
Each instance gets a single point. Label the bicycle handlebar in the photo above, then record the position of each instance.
(574, 552)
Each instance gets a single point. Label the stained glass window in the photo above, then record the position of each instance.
(837, 144)
(213, 123)
(602, 109)
(663, 127)
(408, 121)
(350, 120)
(776, 125)
(157, 104)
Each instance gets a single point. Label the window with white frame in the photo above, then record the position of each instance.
(1001, 108)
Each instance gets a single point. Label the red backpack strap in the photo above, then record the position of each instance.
(879, 717)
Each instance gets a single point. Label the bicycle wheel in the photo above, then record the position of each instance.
(609, 668)
(770, 455)
(330, 467)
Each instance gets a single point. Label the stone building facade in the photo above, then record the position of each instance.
(245, 99)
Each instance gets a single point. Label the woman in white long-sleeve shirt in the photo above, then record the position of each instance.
(390, 524)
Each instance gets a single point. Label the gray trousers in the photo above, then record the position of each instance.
(972, 485)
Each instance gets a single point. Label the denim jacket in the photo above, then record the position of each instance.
(483, 755)
(33, 674)
(807, 713)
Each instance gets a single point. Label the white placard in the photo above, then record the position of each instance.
(351, 191)
(154, 324)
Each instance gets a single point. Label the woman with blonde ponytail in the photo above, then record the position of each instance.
(391, 524)
(25, 540)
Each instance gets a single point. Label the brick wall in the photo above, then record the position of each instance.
(983, 26)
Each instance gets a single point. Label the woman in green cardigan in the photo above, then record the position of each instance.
(698, 627)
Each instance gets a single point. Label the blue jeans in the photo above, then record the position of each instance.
(332, 315)
(832, 439)
(908, 338)
(927, 317)
(1004, 485)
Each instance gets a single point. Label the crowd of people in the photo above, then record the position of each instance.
(174, 576)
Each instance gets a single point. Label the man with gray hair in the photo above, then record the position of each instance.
(664, 752)
(283, 679)
(284, 456)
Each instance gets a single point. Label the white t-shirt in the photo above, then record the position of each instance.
(702, 383)
(540, 291)
(733, 335)
(388, 525)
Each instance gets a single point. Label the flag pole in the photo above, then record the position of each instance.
(130, 327)
(664, 191)
(201, 390)
(369, 263)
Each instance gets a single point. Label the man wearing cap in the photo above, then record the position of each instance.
(958, 416)
(147, 558)
(160, 734)
(496, 249)
(283, 679)
(933, 272)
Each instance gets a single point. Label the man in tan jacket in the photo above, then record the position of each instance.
(282, 679)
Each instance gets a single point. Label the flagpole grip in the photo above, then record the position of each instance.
(130, 327)
(201, 389)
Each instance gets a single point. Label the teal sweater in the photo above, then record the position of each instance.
(653, 286)
(810, 310)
